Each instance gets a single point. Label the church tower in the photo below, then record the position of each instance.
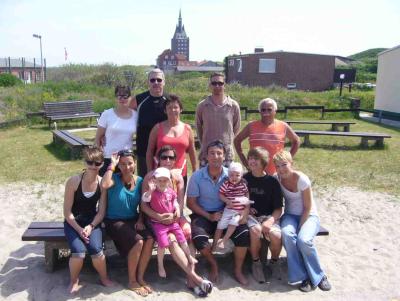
(180, 41)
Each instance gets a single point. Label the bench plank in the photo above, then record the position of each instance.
(365, 136)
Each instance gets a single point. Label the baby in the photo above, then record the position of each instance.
(163, 199)
(235, 195)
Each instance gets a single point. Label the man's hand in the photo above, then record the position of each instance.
(215, 217)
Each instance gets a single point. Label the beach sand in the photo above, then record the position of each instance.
(361, 256)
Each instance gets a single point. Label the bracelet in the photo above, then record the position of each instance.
(92, 226)
(111, 167)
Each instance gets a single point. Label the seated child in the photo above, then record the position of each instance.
(235, 195)
(162, 199)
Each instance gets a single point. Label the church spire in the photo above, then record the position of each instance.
(180, 20)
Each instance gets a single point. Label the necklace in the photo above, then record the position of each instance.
(128, 185)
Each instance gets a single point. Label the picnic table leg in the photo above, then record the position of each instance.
(346, 128)
(335, 127)
(364, 142)
(50, 256)
(379, 142)
(306, 140)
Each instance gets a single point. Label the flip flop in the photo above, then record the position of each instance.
(140, 290)
(148, 288)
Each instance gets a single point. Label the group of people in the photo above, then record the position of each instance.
(143, 207)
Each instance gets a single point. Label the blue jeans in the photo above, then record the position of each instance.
(302, 257)
(78, 246)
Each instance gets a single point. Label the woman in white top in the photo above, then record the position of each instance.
(116, 126)
(299, 226)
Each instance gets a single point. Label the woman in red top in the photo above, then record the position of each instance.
(269, 133)
(175, 133)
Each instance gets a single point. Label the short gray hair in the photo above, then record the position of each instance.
(156, 71)
(267, 100)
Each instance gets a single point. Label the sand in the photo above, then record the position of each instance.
(361, 256)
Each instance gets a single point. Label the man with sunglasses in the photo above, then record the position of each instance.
(150, 108)
(268, 133)
(217, 117)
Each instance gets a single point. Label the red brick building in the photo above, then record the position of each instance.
(303, 71)
(28, 72)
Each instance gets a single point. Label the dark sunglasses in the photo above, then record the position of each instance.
(165, 157)
(90, 162)
(126, 153)
(153, 80)
(266, 110)
(217, 84)
(123, 96)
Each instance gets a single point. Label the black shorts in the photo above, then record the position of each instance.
(124, 234)
(203, 229)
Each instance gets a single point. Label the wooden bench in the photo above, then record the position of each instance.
(74, 143)
(365, 137)
(52, 234)
(335, 124)
(61, 110)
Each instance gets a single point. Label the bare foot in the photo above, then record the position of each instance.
(138, 289)
(74, 287)
(107, 282)
(213, 275)
(240, 278)
(161, 271)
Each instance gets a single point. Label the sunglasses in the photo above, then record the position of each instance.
(266, 110)
(220, 84)
(126, 153)
(165, 157)
(153, 80)
(90, 162)
(123, 96)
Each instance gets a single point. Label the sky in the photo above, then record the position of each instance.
(135, 32)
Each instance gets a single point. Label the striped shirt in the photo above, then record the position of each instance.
(232, 191)
(270, 137)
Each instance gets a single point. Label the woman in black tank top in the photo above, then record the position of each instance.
(82, 197)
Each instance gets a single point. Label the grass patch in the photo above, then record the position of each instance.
(28, 154)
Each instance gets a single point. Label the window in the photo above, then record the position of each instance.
(267, 66)
(239, 65)
(291, 86)
(231, 63)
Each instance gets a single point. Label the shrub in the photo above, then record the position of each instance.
(8, 80)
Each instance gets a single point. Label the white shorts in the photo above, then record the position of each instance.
(252, 221)
(229, 217)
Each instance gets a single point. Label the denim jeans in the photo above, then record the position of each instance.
(302, 257)
(78, 246)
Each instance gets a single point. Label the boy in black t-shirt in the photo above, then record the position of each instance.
(266, 193)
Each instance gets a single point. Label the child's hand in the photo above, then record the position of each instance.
(152, 185)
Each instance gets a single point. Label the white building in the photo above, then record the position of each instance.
(387, 96)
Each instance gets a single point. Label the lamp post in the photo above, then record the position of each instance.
(41, 53)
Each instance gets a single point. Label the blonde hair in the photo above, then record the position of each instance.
(267, 100)
(260, 154)
(284, 156)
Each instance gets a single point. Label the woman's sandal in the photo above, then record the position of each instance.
(198, 291)
(140, 290)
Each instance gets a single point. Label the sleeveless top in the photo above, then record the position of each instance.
(84, 207)
(270, 137)
(180, 144)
